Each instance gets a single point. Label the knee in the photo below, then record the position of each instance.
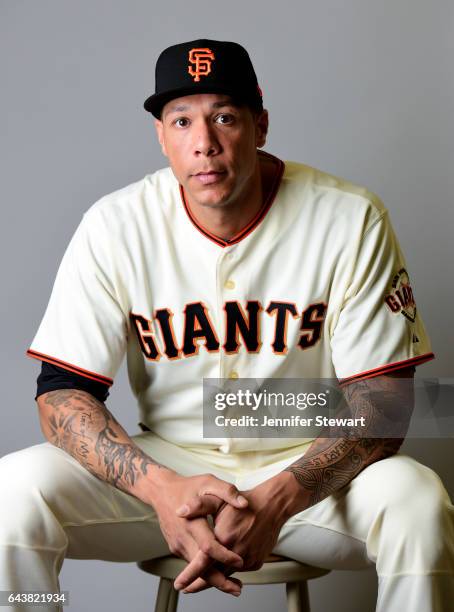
(24, 476)
(25, 468)
(414, 522)
(414, 495)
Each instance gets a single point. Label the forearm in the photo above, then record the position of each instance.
(78, 423)
(332, 462)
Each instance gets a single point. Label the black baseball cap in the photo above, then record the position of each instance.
(204, 66)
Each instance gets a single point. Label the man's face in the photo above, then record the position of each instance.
(211, 144)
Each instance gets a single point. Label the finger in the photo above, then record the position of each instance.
(198, 564)
(216, 578)
(225, 491)
(206, 540)
(200, 584)
(200, 506)
(213, 576)
(195, 568)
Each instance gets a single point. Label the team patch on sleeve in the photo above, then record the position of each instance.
(400, 298)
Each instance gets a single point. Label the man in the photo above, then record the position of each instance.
(228, 264)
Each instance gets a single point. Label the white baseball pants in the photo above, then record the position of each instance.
(395, 514)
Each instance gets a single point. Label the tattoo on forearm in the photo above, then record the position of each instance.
(83, 426)
(330, 463)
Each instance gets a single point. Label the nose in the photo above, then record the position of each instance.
(205, 139)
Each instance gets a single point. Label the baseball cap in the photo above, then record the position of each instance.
(204, 66)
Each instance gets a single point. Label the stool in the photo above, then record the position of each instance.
(275, 570)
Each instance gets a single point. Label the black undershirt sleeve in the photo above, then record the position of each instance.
(53, 378)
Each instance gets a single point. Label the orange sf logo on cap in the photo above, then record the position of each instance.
(201, 58)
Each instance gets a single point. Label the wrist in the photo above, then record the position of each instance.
(151, 486)
(287, 494)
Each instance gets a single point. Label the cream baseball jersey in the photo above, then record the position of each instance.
(316, 286)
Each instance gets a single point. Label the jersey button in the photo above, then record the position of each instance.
(233, 374)
(229, 284)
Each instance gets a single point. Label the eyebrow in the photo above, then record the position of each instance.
(181, 108)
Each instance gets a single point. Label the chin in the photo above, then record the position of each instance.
(215, 202)
(212, 198)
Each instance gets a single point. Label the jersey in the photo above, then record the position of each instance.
(315, 286)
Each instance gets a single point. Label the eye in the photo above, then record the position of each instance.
(181, 122)
(225, 118)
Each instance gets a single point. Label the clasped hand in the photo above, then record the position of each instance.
(246, 526)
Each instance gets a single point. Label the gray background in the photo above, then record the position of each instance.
(358, 88)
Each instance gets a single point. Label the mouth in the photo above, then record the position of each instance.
(208, 177)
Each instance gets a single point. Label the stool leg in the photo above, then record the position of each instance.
(173, 600)
(297, 596)
(167, 599)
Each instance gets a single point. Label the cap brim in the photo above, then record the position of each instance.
(155, 103)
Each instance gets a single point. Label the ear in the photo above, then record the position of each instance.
(160, 133)
(261, 127)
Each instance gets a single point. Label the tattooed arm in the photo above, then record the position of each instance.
(81, 425)
(77, 422)
(386, 403)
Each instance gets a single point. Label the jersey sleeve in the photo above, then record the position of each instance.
(84, 328)
(53, 378)
(379, 328)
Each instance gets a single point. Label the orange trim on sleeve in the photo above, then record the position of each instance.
(389, 367)
(69, 366)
